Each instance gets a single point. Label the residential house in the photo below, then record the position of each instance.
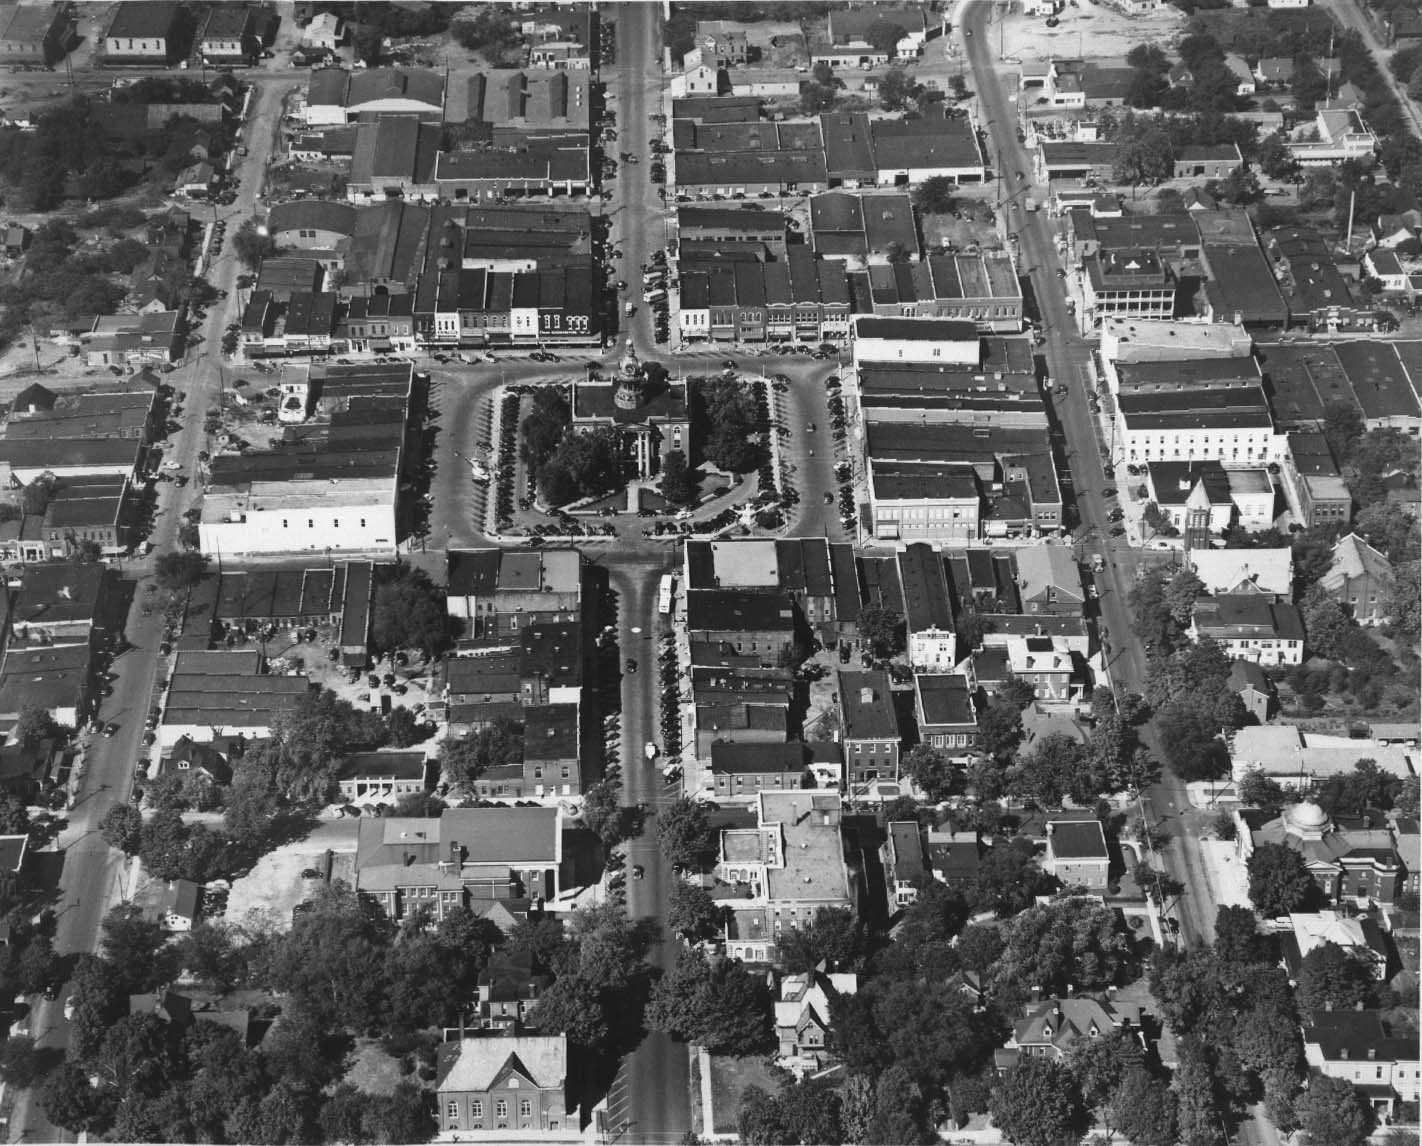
(1244, 76)
(499, 1084)
(804, 1013)
(1052, 1028)
(1047, 664)
(508, 988)
(1358, 936)
(1359, 1047)
(178, 905)
(1077, 853)
(870, 726)
(905, 862)
(954, 858)
(1384, 266)
(1253, 686)
(325, 33)
(1250, 627)
(1360, 578)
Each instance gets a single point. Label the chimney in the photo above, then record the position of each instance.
(1372, 1053)
(454, 852)
(409, 858)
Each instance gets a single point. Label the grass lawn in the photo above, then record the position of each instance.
(373, 1071)
(730, 1078)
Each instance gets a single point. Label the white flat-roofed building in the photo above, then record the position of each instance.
(940, 340)
(1295, 758)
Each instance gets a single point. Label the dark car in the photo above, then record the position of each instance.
(1109, 491)
(1118, 531)
(1117, 514)
(1061, 272)
(631, 665)
(110, 729)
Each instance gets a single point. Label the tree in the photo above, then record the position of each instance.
(251, 245)
(38, 966)
(718, 1005)
(122, 828)
(934, 196)
(1198, 1101)
(1008, 878)
(817, 97)
(1059, 766)
(692, 913)
(1278, 880)
(543, 428)
(180, 570)
(70, 1101)
(490, 30)
(21, 1063)
(895, 89)
(882, 630)
(332, 964)
(760, 1120)
(1237, 938)
(34, 726)
(1160, 887)
(1142, 1109)
(1402, 604)
(1036, 1103)
(1000, 729)
(213, 953)
(1100, 1064)
(1332, 1113)
(409, 612)
(683, 833)
(931, 771)
(1275, 159)
(1068, 942)
(677, 486)
(1257, 790)
(980, 947)
(1330, 978)
(135, 945)
(833, 937)
(1144, 154)
(900, 1114)
(1364, 790)
(885, 35)
(464, 759)
(1240, 187)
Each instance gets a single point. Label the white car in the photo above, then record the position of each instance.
(69, 1007)
(651, 750)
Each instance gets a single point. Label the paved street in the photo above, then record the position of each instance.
(90, 877)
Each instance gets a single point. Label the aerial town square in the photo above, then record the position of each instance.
(776, 571)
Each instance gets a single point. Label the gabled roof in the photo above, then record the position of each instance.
(1354, 557)
(475, 1064)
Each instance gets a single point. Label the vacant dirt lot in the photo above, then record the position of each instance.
(1087, 31)
(267, 895)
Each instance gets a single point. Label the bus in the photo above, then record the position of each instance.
(664, 596)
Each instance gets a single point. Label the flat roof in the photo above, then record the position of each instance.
(944, 698)
(1379, 379)
(1077, 839)
(925, 585)
(867, 705)
(726, 610)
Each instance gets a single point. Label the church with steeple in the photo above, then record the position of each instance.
(649, 408)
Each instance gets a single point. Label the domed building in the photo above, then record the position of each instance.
(1348, 860)
(647, 407)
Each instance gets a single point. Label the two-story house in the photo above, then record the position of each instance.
(947, 717)
(1077, 853)
(1358, 1047)
(803, 1014)
(1359, 578)
(905, 864)
(1049, 580)
(1052, 1028)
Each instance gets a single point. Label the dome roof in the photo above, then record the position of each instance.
(1308, 815)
